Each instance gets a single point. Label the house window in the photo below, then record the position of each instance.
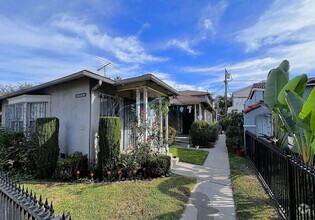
(35, 110)
(20, 116)
(14, 116)
(110, 105)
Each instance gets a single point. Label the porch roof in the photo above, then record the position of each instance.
(145, 80)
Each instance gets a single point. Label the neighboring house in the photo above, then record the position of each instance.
(238, 99)
(78, 101)
(257, 117)
(189, 107)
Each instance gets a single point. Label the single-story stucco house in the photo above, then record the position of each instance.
(79, 100)
(189, 107)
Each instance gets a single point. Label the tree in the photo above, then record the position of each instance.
(7, 89)
(220, 103)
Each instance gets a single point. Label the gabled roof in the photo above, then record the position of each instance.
(89, 74)
(311, 81)
(189, 97)
(259, 85)
(74, 76)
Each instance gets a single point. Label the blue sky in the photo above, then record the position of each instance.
(186, 43)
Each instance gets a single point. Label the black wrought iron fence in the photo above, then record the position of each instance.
(288, 180)
(17, 203)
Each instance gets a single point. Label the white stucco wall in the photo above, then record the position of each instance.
(73, 114)
(4, 103)
(238, 99)
(95, 109)
(256, 98)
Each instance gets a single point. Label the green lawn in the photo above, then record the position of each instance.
(162, 198)
(190, 155)
(251, 200)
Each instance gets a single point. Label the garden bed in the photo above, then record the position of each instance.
(190, 155)
(161, 198)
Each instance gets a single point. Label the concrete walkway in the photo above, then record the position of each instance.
(212, 197)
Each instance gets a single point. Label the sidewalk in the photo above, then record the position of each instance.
(212, 197)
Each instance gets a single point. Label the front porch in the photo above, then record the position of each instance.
(145, 104)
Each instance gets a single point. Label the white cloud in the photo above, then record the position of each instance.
(22, 34)
(184, 45)
(167, 78)
(284, 31)
(210, 18)
(288, 22)
(127, 49)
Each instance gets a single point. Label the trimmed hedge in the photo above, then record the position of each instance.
(47, 148)
(203, 134)
(109, 141)
(17, 153)
(159, 165)
(234, 131)
(66, 168)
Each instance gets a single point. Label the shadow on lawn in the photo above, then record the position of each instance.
(172, 188)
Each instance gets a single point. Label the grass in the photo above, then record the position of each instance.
(251, 199)
(190, 155)
(162, 198)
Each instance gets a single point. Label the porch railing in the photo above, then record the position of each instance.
(17, 203)
(290, 182)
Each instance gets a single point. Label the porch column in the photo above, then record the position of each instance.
(199, 112)
(166, 130)
(161, 120)
(138, 105)
(195, 112)
(145, 100)
(204, 114)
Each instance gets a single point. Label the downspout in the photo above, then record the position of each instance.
(100, 82)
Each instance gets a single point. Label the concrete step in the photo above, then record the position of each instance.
(182, 139)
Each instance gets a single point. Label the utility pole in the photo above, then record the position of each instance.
(226, 77)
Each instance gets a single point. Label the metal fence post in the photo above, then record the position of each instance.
(291, 189)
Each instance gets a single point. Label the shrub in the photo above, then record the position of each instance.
(203, 134)
(17, 153)
(234, 131)
(47, 148)
(66, 168)
(171, 135)
(109, 141)
(159, 165)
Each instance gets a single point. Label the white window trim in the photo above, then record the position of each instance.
(31, 99)
(25, 99)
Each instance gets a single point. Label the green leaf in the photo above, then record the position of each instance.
(287, 120)
(297, 84)
(285, 65)
(277, 79)
(295, 103)
(313, 146)
(309, 105)
(312, 120)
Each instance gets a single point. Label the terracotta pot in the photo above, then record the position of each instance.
(239, 153)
